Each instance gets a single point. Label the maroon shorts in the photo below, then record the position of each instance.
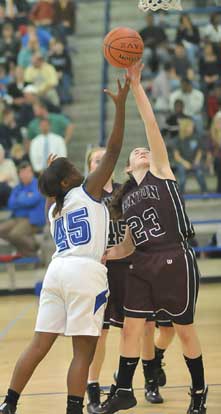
(117, 273)
(163, 286)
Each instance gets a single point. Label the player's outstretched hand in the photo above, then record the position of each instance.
(51, 158)
(134, 73)
(121, 96)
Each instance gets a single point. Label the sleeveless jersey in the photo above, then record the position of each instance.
(116, 228)
(82, 227)
(155, 214)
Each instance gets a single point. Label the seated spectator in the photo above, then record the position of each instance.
(9, 44)
(44, 77)
(163, 84)
(9, 131)
(214, 101)
(59, 123)
(28, 217)
(5, 80)
(188, 155)
(42, 13)
(60, 60)
(44, 37)
(15, 96)
(22, 10)
(215, 132)
(8, 177)
(172, 126)
(155, 43)
(188, 34)
(45, 144)
(210, 67)
(26, 112)
(26, 53)
(18, 154)
(181, 63)
(193, 101)
(213, 30)
(65, 16)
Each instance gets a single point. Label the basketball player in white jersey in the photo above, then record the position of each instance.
(75, 288)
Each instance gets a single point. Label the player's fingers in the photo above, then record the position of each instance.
(109, 93)
(119, 84)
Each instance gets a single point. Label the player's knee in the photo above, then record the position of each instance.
(185, 334)
(132, 330)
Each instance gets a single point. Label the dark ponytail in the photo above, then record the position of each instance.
(116, 211)
(50, 180)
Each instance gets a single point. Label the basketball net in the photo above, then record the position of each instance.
(154, 5)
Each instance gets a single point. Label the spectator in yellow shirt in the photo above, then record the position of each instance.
(44, 77)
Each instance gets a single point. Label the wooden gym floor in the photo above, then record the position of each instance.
(46, 392)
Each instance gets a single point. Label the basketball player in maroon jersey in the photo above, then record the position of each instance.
(165, 277)
(114, 314)
(117, 272)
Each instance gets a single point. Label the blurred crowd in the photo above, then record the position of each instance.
(183, 78)
(36, 84)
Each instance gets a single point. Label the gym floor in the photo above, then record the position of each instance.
(46, 392)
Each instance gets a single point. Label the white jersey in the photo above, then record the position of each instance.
(82, 227)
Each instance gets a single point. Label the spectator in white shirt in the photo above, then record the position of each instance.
(193, 101)
(45, 144)
(213, 29)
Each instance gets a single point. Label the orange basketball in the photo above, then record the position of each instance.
(123, 47)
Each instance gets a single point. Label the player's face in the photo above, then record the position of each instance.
(95, 159)
(139, 159)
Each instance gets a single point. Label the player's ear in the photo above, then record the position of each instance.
(128, 169)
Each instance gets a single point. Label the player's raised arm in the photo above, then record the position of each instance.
(159, 157)
(95, 181)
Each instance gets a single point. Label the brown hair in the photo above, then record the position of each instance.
(91, 153)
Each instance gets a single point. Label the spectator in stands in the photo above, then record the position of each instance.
(181, 62)
(44, 37)
(163, 84)
(216, 147)
(15, 90)
(9, 44)
(214, 101)
(60, 60)
(5, 80)
(193, 101)
(45, 144)
(22, 10)
(28, 218)
(172, 126)
(44, 77)
(9, 131)
(188, 155)
(18, 154)
(42, 13)
(26, 52)
(188, 34)
(59, 123)
(210, 67)
(213, 29)
(65, 16)
(155, 43)
(8, 177)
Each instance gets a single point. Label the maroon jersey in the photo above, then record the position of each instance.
(155, 214)
(117, 228)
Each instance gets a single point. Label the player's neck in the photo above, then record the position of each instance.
(139, 175)
(109, 186)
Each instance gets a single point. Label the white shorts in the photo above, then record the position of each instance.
(73, 297)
